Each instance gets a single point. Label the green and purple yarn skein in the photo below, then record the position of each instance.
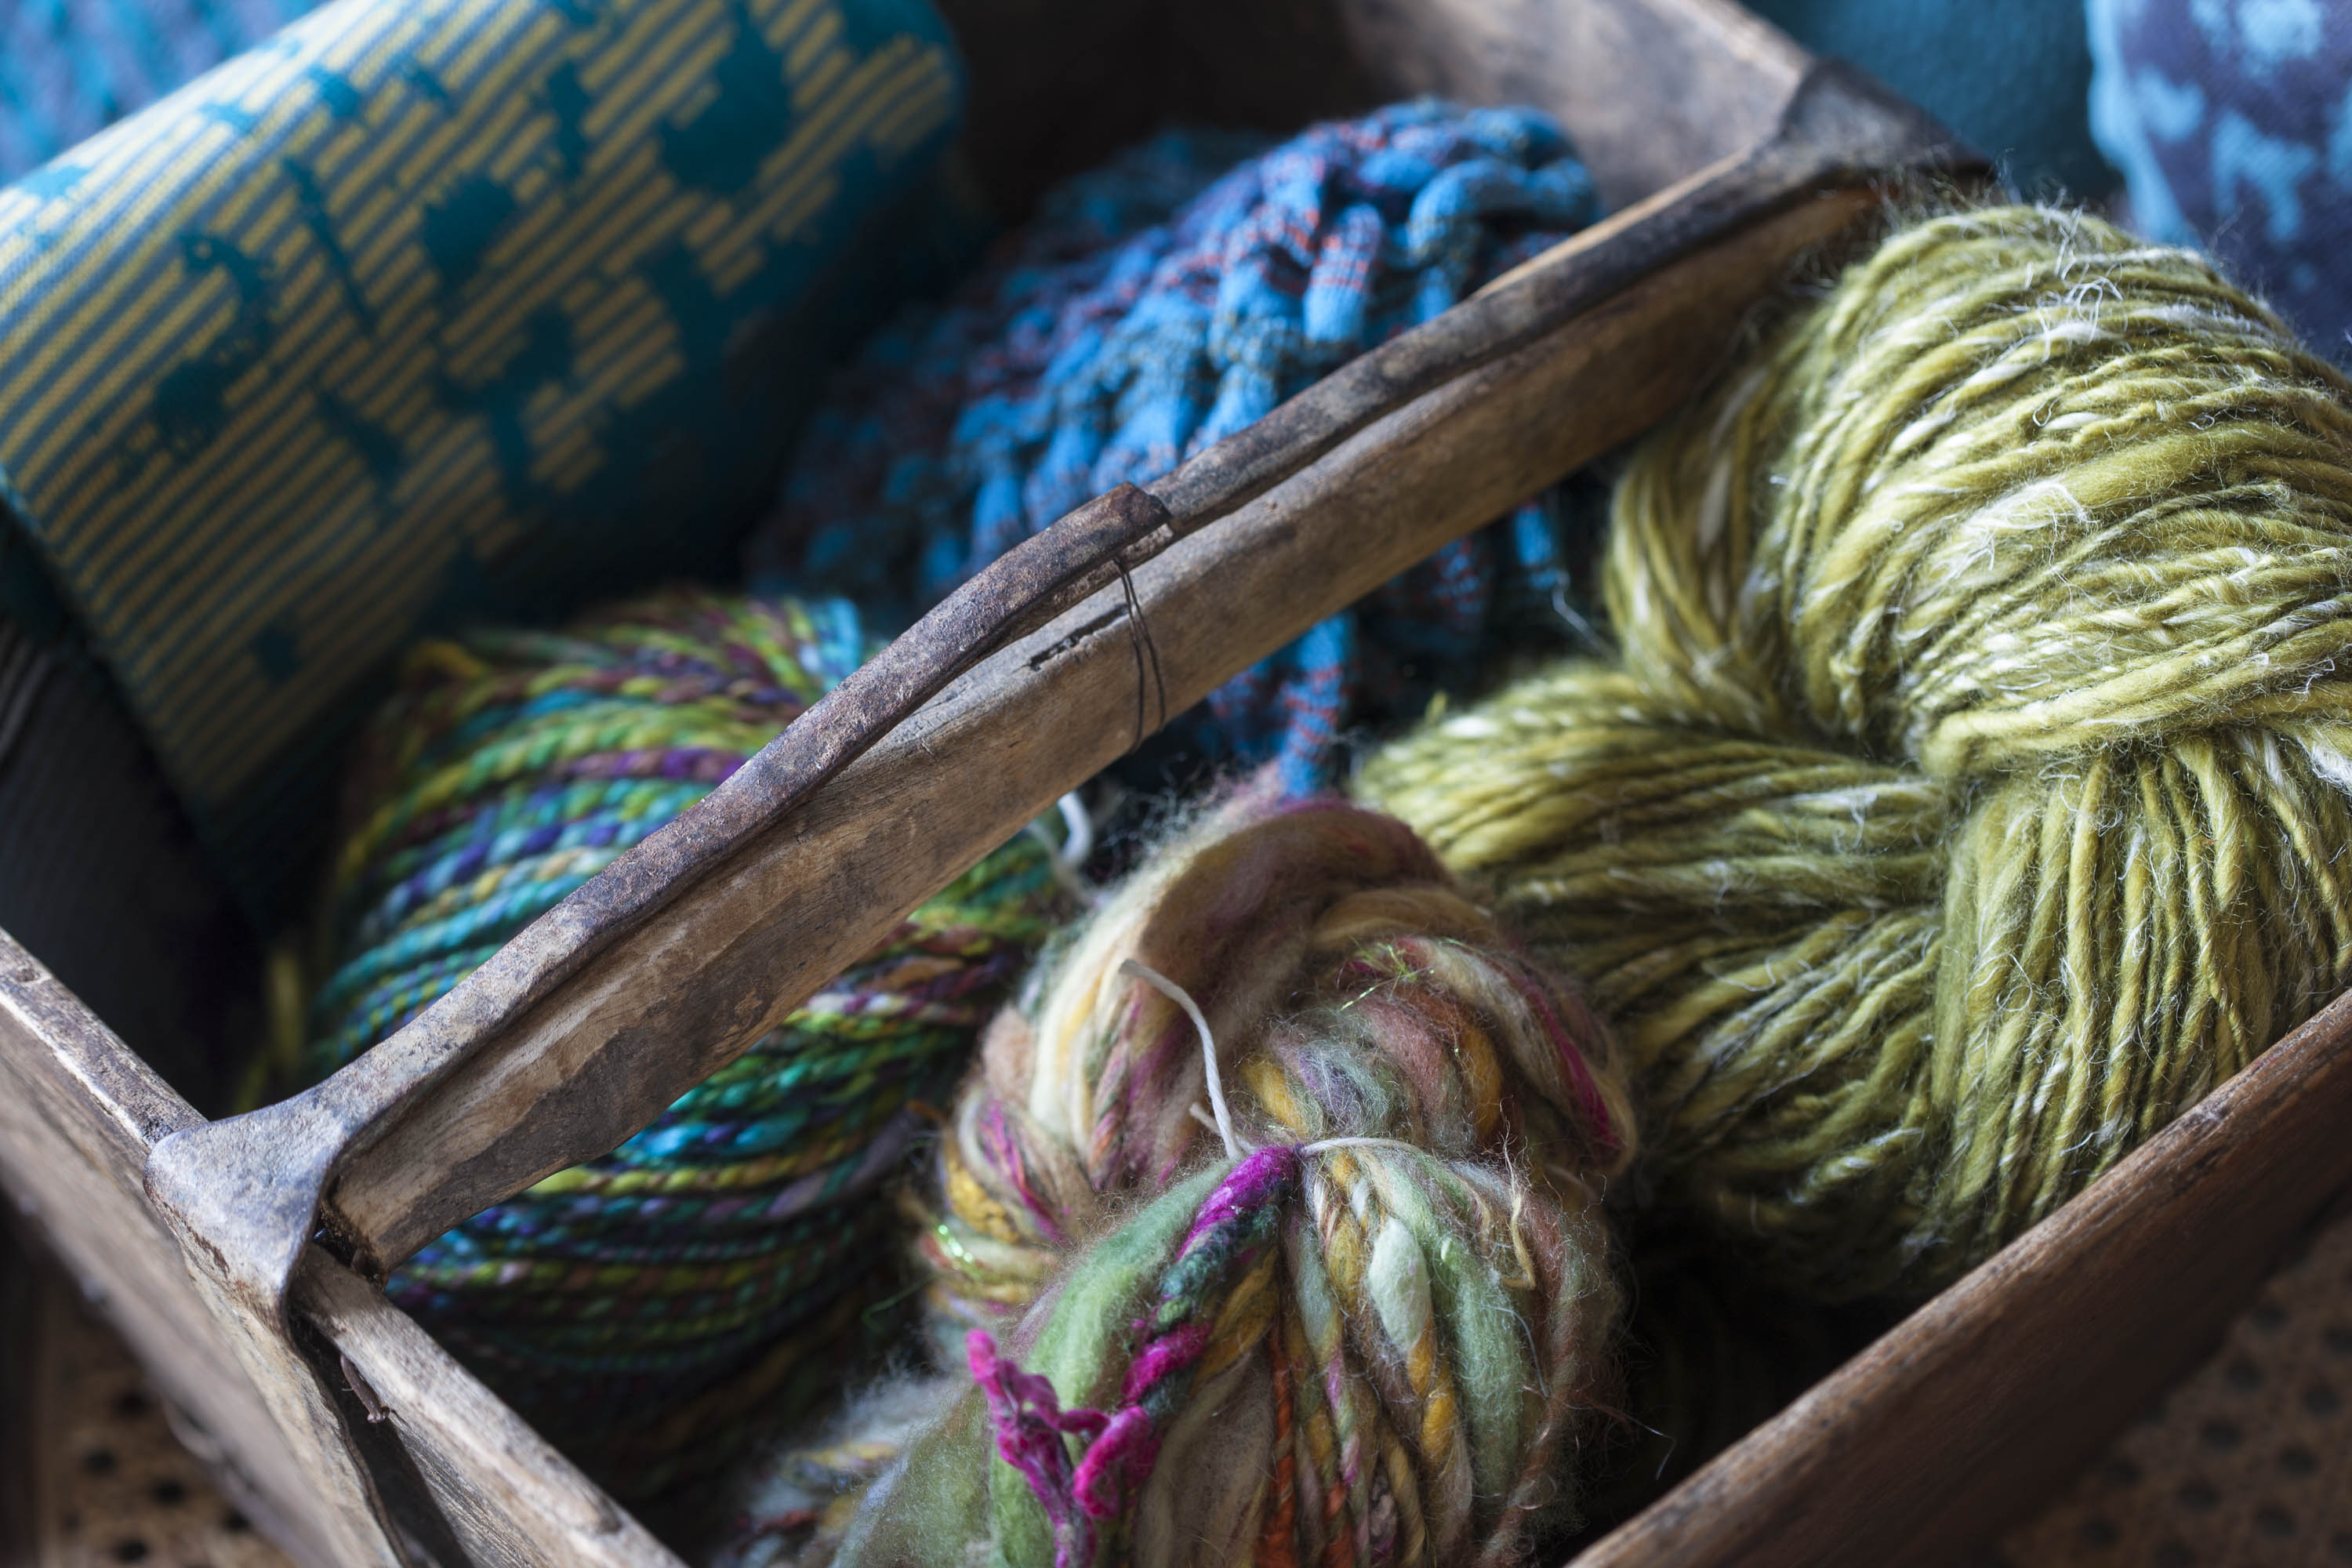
(1968, 795)
(1271, 1220)
(645, 1306)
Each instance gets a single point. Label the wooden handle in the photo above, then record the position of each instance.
(679, 955)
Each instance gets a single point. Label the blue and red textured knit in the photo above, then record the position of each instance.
(1155, 306)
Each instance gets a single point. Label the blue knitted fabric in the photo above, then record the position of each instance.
(1156, 306)
(69, 68)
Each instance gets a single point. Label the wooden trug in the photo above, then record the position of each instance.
(1730, 155)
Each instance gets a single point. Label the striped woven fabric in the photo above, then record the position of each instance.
(428, 311)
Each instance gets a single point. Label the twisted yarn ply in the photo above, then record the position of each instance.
(1155, 307)
(1970, 796)
(1275, 1205)
(718, 1251)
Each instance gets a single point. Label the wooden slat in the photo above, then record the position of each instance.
(1649, 89)
(511, 1499)
(1981, 1403)
(78, 1113)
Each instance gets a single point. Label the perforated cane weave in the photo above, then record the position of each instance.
(2247, 1461)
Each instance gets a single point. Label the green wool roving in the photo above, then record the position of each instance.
(1970, 792)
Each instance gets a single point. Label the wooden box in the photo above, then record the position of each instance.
(235, 1257)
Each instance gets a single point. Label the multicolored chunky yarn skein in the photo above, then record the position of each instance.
(1156, 306)
(1970, 796)
(1278, 1201)
(634, 1306)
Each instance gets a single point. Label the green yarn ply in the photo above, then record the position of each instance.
(1970, 796)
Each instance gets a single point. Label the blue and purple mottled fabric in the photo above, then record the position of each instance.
(2232, 121)
(69, 69)
(1156, 306)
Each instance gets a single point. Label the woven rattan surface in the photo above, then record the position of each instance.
(113, 1484)
(2248, 1460)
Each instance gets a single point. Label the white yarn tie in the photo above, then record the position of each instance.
(1223, 1120)
(1184, 998)
(1325, 1145)
(1079, 841)
(1217, 1084)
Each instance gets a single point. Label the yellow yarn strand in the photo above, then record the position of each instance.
(1968, 795)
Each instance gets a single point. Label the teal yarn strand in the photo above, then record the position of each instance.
(648, 1307)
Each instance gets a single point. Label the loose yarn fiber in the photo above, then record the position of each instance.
(1970, 796)
(640, 1305)
(1156, 306)
(1345, 1296)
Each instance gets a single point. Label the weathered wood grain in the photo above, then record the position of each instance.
(78, 1113)
(1984, 1400)
(511, 1499)
(1649, 89)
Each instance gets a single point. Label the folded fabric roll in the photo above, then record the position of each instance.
(419, 314)
(1156, 306)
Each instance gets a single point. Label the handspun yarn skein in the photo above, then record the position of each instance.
(1348, 1299)
(1970, 796)
(723, 1246)
(1155, 306)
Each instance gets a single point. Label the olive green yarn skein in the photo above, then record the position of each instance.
(1970, 794)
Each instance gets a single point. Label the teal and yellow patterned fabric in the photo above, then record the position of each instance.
(429, 310)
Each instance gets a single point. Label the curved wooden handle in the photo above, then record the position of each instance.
(675, 958)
